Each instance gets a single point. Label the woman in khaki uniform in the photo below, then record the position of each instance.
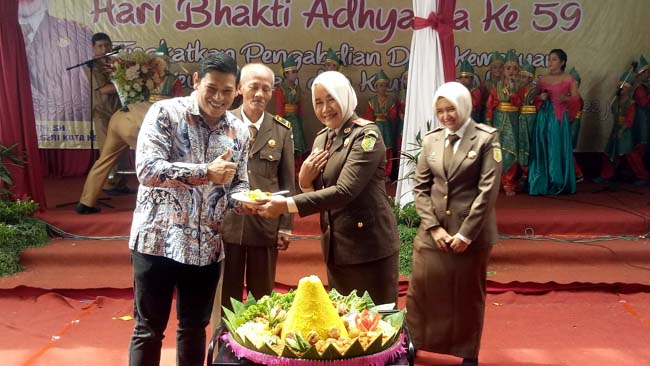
(343, 179)
(456, 184)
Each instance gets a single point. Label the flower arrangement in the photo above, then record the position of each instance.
(131, 72)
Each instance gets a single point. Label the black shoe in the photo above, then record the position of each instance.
(118, 191)
(469, 362)
(86, 210)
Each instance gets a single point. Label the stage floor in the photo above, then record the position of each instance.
(609, 213)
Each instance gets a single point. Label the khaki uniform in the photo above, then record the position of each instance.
(446, 295)
(122, 133)
(250, 240)
(359, 232)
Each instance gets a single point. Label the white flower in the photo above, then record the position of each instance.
(127, 87)
(132, 72)
(144, 69)
(132, 94)
(137, 87)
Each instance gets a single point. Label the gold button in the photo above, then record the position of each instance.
(446, 182)
(270, 156)
(360, 224)
(448, 212)
(250, 172)
(444, 198)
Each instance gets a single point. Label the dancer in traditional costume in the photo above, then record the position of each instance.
(641, 93)
(551, 168)
(527, 115)
(466, 78)
(383, 109)
(621, 140)
(495, 75)
(502, 112)
(288, 100)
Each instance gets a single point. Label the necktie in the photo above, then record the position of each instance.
(253, 131)
(331, 134)
(449, 152)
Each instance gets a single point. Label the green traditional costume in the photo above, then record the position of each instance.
(527, 114)
(288, 99)
(503, 113)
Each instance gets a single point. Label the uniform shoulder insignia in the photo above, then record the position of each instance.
(282, 121)
(437, 129)
(486, 128)
(369, 139)
(361, 122)
(322, 131)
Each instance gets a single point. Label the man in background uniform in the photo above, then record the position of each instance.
(252, 242)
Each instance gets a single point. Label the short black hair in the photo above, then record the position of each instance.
(561, 55)
(220, 62)
(100, 37)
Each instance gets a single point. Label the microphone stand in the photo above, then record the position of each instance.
(91, 65)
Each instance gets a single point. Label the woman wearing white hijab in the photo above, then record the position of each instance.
(456, 184)
(343, 179)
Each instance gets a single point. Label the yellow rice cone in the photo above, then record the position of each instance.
(312, 310)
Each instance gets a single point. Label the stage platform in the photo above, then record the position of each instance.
(589, 213)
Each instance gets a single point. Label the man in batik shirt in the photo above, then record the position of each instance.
(191, 156)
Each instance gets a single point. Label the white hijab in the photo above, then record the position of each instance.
(458, 95)
(338, 86)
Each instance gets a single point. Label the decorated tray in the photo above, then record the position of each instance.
(308, 326)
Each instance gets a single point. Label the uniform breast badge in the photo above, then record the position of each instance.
(471, 155)
(271, 143)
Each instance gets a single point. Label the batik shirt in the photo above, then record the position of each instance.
(179, 212)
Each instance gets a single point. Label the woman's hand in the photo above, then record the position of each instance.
(441, 237)
(458, 245)
(311, 167)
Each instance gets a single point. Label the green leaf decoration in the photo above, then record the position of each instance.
(287, 352)
(396, 319)
(331, 353)
(249, 344)
(237, 306)
(355, 350)
(250, 300)
(375, 346)
(229, 314)
(268, 350)
(311, 354)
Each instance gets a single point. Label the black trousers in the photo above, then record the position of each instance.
(155, 279)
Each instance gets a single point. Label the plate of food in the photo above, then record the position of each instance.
(309, 326)
(255, 197)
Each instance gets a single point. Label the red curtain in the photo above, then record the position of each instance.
(446, 9)
(17, 124)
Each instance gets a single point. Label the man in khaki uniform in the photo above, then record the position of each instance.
(122, 133)
(252, 242)
(105, 104)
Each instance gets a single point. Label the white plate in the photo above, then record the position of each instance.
(243, 197)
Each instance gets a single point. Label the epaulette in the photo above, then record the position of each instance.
(439, 128)
(282, 121)
(361, 122)
(486, 128)
(322, 131)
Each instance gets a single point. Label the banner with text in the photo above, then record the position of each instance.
(601, 38)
